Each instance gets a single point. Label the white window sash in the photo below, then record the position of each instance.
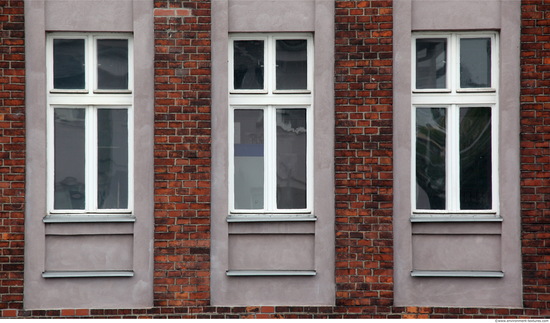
(270, 160)
(90, 101)
(452, 99)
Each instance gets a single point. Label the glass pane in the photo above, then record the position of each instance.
(249, 159)
(431, 133)
(248, 73)
(475, 159)
(112, 159)
(68, 64)
(475, 62)
(431, 63)
(112, 64)
(291, 158)
(69, 159)
(291, 64)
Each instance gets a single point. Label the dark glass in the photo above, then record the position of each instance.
(431, 63)
(69, 159)
(475, 159)
(69, 64)
(112, 64)
(291, 159)
(291, 57)
(475, 62)
(249, 159)
(248, 65)
(431, 134)
(112, 159)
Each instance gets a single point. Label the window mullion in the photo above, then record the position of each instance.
(270, 151)
(453, 159)
(91, 158)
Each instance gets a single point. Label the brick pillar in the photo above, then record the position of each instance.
(364, 178)
(12, 153)
(182, 154)
(535, 156)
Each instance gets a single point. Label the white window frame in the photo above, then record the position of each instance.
(90, 101)
(269, 100)
(452, 99)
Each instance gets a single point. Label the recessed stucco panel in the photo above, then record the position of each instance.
(449, 15)
(269, 15)
(456, 252)
(89, 15)
(271, 252)
(89, 252)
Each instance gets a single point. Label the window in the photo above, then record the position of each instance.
(89, 123)
(455, 110)
(270, 123)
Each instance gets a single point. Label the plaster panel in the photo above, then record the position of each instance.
(264, 15)
(89, 15)
(271, 252)
(455, 14)
(456, 252)
(89, 252)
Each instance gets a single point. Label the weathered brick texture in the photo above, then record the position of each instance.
(363, 94)
(535, 156)
(363, 163)
(182, 154)
(12, 155)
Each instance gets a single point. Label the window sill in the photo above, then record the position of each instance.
(92, 218)
(248, 273)
(450, 219)
(88, 274)
(457, 274)
(271, 218)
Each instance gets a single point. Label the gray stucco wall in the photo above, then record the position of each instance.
(91, 246)
(465, 246)
(287, 245)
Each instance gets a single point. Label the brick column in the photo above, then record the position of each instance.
(182, 154)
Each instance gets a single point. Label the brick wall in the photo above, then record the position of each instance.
(535, 156)
(364, 254)
(363, 94)
(182, 153)
(12, 155)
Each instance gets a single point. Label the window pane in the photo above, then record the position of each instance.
(69, 159)
(68, 64)
(475, 62)
(431, 63)
(291, 64)
(291, 158)
(249, 159)
(112, 155)
(431, 132)
(248, 73)
(475, 159)
(112, 64)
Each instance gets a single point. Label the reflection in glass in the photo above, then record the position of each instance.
(291, 59)
(431, 63)
(112, 64)
(68, 64)
(112, 159)
(475, 62)
(475, 159)
(248, 73)
(431, 133)
(69, 159)
(291, 158)
(249, 159)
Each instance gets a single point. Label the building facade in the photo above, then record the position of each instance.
(256, 159)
